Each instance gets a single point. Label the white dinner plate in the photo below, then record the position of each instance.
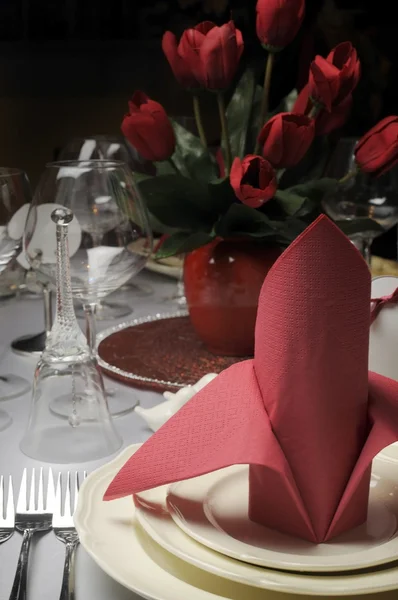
(110, 534)
(171, 268)
(213, 509)
(112, 537)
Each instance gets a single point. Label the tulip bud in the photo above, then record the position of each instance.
(278, 22)
(253, 180)
(148, 128)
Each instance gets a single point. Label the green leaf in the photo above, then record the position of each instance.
(138, 177)
(312, 165)
(177, 202)
(165, 168)
(191, 158)
(182, 242)
(242, 220)
(221, 196)
(255, 123)
(315, 189)
(293, 204)
(238, 113)
(352, 227)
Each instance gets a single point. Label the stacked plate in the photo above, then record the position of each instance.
(193, 541)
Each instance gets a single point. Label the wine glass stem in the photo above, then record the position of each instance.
(90, 309)
(365, 251)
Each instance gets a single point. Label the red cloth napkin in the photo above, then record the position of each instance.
(305, 414)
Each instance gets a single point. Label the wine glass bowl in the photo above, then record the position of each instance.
(362, 196)
(15, 196)
(110, 241)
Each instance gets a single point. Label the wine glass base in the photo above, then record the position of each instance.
(12, 386)
(118, 407)
(5, 420)
(30, 345)
(139, 290)
(107, 311)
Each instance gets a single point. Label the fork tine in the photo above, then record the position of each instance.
(67, 510)
(40, 499)
(32, 495)
(10, 510)
(1, 497)
(21, 503)
(76, 490)
(50, 497)
(58, 496)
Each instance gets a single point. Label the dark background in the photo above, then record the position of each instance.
(67, 67)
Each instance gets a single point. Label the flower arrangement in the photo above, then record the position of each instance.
(265, 182)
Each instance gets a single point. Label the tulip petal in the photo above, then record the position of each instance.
(205, 27)
(219, 57)
(179, 66)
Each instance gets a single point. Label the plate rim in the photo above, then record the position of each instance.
(80, 518)
(271, 562)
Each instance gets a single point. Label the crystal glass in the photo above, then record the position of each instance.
(67, 365)
(364, 195)
(110, 147)
(15, 196)
(109, 238)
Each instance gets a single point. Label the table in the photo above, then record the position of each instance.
(21, 317)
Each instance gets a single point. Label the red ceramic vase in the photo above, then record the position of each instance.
(222, 285)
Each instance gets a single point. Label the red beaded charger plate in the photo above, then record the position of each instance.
(157, 353)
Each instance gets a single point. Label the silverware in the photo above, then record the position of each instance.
(65, 531)
(7, 511)
(29, 519)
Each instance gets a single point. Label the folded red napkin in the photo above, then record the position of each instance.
(305, 414)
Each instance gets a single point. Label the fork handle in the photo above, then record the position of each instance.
(68, 579)
(18, 591)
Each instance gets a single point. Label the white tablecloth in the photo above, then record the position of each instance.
(20, 317)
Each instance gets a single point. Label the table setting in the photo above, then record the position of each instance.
(209, 407)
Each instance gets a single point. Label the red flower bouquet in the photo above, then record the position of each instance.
(254, 187)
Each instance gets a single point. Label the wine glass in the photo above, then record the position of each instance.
(364, 195)
(15, 196)
(109, 238)
(110, 147)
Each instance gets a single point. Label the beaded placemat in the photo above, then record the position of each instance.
(157, 353)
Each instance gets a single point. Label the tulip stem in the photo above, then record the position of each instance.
(349, 175)
(265, 98)
(198, 120)
(224, 131)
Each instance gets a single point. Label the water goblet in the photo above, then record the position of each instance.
(109, 244)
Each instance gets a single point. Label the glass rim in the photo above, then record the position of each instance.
(11, 171)
(90, 162)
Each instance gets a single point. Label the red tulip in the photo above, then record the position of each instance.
(206, 55)
(278, 22)
(253, 180)
(333, 79)
(180, 61)
(377, 151)
(325, 122)
(148, 129)
(286, 138)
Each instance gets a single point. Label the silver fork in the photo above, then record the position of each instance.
(65, 531)
(30, 519)
(7, 518)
